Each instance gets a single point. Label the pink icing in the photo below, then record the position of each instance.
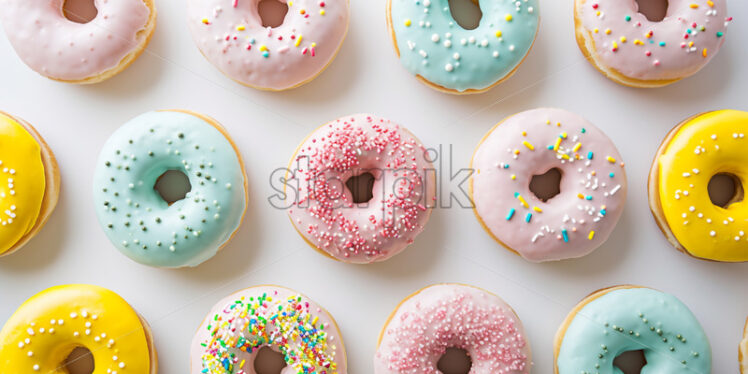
(404, 188)
(333, 340)
(655, 50)
(61, 49)
(230, 34)
(593, 184)
(444, 316)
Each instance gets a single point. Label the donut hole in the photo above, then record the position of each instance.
(79, 11)
(269, 361)
(654, 10)
(361, 187)
(172, 186)
(272, 12)
(466, 13)
(630, 362)
(79, 361)
(455, 361)
(546, 186)
(725, 189)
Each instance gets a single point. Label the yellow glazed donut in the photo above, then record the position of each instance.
(29, 183)
(699, 148)
(41, 334)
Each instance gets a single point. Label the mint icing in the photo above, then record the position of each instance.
(134, 216)
(434, 46)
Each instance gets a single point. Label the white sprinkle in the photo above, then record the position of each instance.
(449, 67)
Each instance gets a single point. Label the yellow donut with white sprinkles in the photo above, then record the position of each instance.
(693, 154)
(29, 183)
(48, 327)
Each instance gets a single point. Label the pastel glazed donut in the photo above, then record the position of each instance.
(71, 52)
(231, 36)
(631, 50)
(244, 322)
(445, 56)
(697, 149)
(620, 319)
(138, 221)
(324, 211)
(29, 183)
(443, 316)
(41, 334)
(592, 189)
(743, 350)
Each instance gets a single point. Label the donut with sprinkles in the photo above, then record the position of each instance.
(324, 209)
(632, 50)
(421, 329)
(48, 327)
(243, 323)
(589, 200)
(629, 318)
(64, 49)
(691, 155)
(447, 57)
(29, 183)
(138, 221)
(231, 35)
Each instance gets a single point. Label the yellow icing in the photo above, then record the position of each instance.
(55, 321)
(22, 182)
(706, 145)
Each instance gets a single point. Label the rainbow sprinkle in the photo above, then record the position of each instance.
(288, 325)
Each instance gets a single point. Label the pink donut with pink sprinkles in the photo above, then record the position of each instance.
(368, 156)
(426, 324)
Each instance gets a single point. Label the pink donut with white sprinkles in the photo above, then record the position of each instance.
(344, 153)
(231, 35)
(426, 324)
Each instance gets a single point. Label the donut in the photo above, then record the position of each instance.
(281, 319)
(627, 318)
(446, 57)
(29, 183)
(138, 221)
(324, 211)
(592, 190)
(43, 332)
(633, 51)
(230, 34)
(427, 323)
(697, 149)
(70, 52)
(743, 350)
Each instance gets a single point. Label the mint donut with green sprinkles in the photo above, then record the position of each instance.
(141, 223)
(439, 52)
(627, 318)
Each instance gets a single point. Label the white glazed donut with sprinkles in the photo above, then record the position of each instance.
(324, 211)
(231, 35)
(634, 51)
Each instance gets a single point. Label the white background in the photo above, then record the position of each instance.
(367, 77)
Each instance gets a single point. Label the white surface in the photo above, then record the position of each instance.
(367, 77)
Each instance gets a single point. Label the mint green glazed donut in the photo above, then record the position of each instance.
(434, 47)
(136, 218)
(631, 318)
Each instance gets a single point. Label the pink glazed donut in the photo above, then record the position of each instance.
(71, 52)
(324, 211)
(231, 36)
(634, 51)
(592, 188)
(424, 325)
